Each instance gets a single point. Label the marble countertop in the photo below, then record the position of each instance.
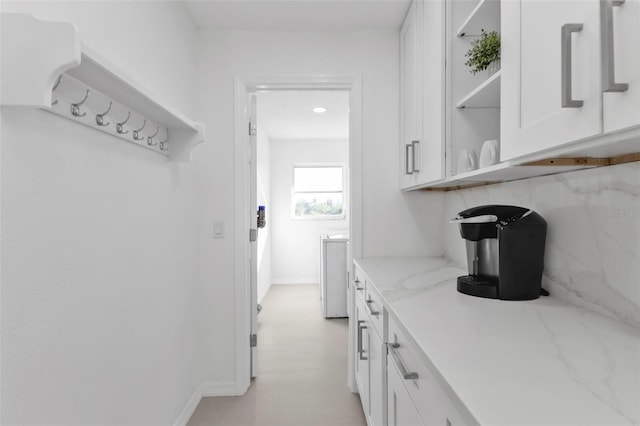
(539, 362)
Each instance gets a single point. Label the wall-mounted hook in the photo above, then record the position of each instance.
(100, 117)
(75, 108)
(119, 127)
(55, 86)
(164, 145)
(136, 132)
(150, 141)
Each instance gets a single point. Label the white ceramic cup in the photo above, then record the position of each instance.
(489, 154)
(473, 161)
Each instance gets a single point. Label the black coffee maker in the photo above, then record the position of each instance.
(505, 252)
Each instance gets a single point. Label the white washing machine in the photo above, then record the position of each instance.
(333, 275)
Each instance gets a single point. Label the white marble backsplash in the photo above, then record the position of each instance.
(592, 255)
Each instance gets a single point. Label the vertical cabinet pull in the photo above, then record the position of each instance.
(361, 327)
(606, 47)
(407, 159)
(414, 146)
(566, 31)
(406, 374)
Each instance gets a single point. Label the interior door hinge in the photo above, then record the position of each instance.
(253, 235)
(253, 340)
(252, 129)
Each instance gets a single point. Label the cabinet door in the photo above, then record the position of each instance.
(453, 415)
(429, 152)
(410, 93)
(621, 34)
(400, 408)
(377, 367)
(537, 114)
(362, 354)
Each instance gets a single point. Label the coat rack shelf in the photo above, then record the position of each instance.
(45, 65)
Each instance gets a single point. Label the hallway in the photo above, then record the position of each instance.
(302, 369)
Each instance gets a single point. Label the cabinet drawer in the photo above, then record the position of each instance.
(358, 280)
(418, 379)
(373, 301)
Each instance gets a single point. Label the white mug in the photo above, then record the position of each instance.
(489, 153)
(467, 161)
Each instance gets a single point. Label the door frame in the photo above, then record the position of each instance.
(241, 182)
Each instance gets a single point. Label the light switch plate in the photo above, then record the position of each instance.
(218, 229)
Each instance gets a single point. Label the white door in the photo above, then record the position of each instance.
(253, 215)
(542, 106)
(621, 97)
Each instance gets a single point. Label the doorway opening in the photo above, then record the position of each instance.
(302, 183)
(346, 212)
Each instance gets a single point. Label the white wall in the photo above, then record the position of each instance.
(296, 243)
(100, 277)
(394, 223)
(263, 167)
(592, 255)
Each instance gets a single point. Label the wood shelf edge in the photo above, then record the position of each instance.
(586, 161)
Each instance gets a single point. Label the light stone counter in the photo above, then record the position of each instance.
(540, 362)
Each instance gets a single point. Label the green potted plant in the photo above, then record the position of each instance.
(484, 53)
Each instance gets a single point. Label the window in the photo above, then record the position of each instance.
(318, 192)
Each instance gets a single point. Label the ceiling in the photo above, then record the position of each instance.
(298, 15)
(288, 114)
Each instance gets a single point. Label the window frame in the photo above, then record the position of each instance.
(343, 169)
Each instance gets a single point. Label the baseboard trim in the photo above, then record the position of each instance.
(190, 408)
(221, 389)
(204, 390)
(294, 282)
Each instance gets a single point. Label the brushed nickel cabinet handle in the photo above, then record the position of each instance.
(407, 159)
(566, 31)
(360, 350)
(356, 282)
(406, 374)
(371, 311)
(414, 144)
(606, 47)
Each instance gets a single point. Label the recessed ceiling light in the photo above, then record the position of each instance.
(319, 110)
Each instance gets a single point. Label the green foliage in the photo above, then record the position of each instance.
(484, 50)
(314, 207)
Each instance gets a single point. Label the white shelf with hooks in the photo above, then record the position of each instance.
(38, 56)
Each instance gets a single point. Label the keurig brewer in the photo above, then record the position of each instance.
(505, 252)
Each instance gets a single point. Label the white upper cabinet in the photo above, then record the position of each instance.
(422, 53)
(410, 94)
(563, 63)
(620, 28)
(431, 153)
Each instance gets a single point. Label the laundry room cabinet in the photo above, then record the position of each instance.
(414, 396)
(571, 72)
(566, 94)
(370, 354)
(422, 92)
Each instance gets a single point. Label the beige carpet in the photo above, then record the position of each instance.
(302, 369)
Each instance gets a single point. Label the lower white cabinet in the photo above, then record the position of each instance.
(362, 353)
(415, 397)
(370, 354)
(396, 385)
(401, 411)
(377, 376)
